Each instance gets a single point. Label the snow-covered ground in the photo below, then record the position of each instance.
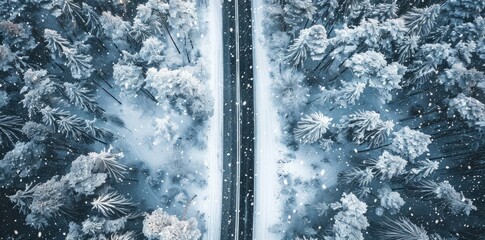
(212, 50)
(268, 146)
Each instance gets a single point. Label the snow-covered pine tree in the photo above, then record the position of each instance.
(311, 42)
(401, 229)
(312, 127)
(81, 96)
(350, 220)
(444, 195)
(112, 203)
(389, 200)
(422, 169)
(83, 177)
(298, 11)
(366, 127)
(181, 90)
(421, 21)
(37, 90)
(107, 161)
(182, 15)
(79, 64)
(165, 130)
(388, 165)
(160, 225)
(128, 76)
(355, 175)
(10, 127)
(114, 27)
(409, 143)
(291, 92)
(345, 96)
(151, 51)
(468, 108)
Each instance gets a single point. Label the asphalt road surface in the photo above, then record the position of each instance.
(238, 126)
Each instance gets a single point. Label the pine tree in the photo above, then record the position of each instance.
(79, 64)
(367, 127)
(296, 11)
(160, 225)
(312, 127)
(390, 200)
(444, 195)
(151, 51)
(128, 76)
(81, 96)
(388, 165)
(421, 21)
(311, 42)
(410, 143)
(350, 220)
(468, 108)
(10, 129)
(112, 203)
(401, 229)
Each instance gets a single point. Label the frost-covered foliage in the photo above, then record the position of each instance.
(390, 200)
(367, 127)
(165, 131)
(297, 11)
(107, 161)
(291, 92)
(468, 108)
(401, 229)
(114, 27)
(128, 76)
(22, 161)
(112, 203)
(312, 127)
(345, 96)
(389, 72)
(182, 15)
(445, 195)
(99, 228)
(355, 175)
(421, 21)
(371, 67)
(181, 90)
(464, 79)
(161, 225)
(44, 202)
(6, 58)
(410, 144)
(388, 165)
(79, 64)
(10, 129)
(82, 176)
(151, 52)
(311, 42)
(422, 169)
(37, 90)
(80, 95)
(350, 220)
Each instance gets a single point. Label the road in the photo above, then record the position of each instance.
(238, 121)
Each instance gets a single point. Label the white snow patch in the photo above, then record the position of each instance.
(268, 147)
(211, 49)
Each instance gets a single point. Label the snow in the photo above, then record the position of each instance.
(268, 147)
(213, 52)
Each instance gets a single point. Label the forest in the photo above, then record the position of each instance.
(103, 119)
(381, 107)
(107, 112)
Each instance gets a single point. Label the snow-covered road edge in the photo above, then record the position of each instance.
(267, 144)
(213, 52)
